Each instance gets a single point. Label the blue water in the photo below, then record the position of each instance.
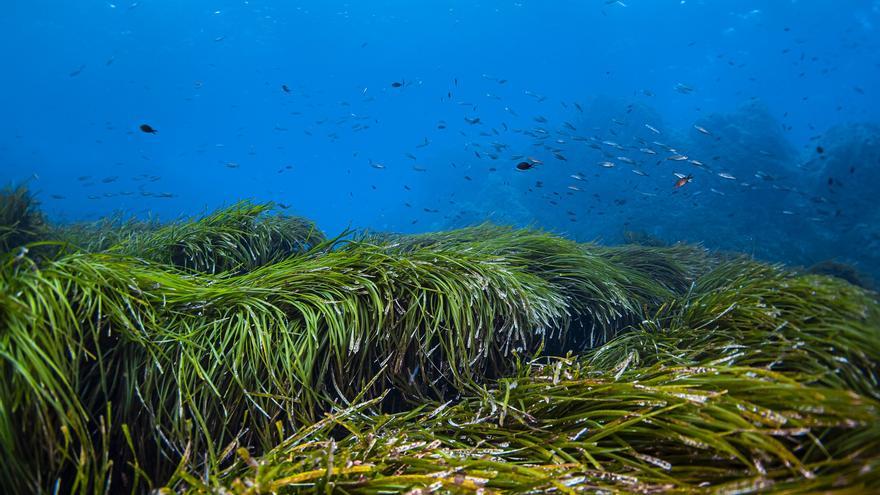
(770, 81)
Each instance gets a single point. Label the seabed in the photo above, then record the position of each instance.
(245, 352)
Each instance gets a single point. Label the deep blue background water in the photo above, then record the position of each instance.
(771, 80)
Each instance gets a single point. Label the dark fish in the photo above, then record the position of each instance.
(397, 84)
(820, 150)
(77, 71)
(285, 88)
(524, 165)
(148, 129)
(475, 120)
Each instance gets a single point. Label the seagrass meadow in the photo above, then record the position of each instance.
(246, 353)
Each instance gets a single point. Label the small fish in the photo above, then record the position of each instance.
(703, 130)
(625, 159)
(575, 188)
(577, 177)
(397, 84)
(683, 88)
(677, 158)
(524, 165)
(725, 175)
(473, 121)
(682, 180)
(377, 166)
(148, 129)
(639, 172)
(607, 164)
(285, 88)
(652, 129)
(57, 196)
(820, 150)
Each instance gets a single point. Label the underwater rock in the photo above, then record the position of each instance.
(742, 143)
(642, 238)
(626, 117)
(842, 271)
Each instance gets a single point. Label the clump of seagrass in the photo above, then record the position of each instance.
(753, 314)
(195, 361)
(565, 427)
(235, 239)
(205, 355)
(100, 235)
(21, 221)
